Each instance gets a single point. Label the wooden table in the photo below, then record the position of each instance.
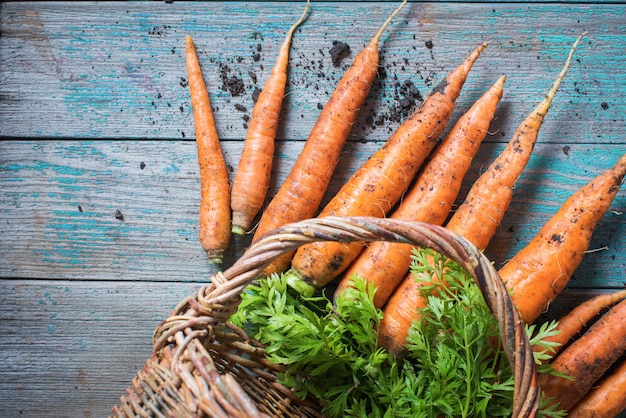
(99, 176)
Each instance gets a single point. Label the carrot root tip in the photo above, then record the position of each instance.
(297, 283)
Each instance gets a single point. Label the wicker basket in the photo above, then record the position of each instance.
(203, 366)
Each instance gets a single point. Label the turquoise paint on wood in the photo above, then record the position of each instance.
(73, 232)
(127, 84)
(95, 118)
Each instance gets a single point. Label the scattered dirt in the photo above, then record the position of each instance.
(231, 83)
(338, 50)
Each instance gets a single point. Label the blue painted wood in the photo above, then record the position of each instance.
(60, 199)
(95, 119)
(114, 71)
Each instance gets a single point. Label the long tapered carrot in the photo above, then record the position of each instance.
(384, 264)
(300, 195)
(542, 269)
(214, 186)
(607, 399)
(255, 164)
(478, 218)
(380, 182)
(587, 358)
(574, 321)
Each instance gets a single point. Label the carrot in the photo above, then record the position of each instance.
(384, 264)
(214, 185)
(575, 320)
(255, 164)
(606, 400)
(300, 195)
(380, 182)
(478, 218)
(542, 269)
(586, 359)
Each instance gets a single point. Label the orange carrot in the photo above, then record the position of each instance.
(542, 269)
(384, 264)
(606, 400)
(214, 185)
(379, 183)
(571, 324)
(302, 192)
(587, 359)
(255, 164)
(479, 216)
(477, 219)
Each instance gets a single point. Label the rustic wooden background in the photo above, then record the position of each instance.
(98, 170)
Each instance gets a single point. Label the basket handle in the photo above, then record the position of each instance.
(216, 301)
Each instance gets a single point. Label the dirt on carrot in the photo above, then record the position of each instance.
(214, 185)
(255, 164)
(606, 399)
(382, 180)
(430, 199)
(587, 359)
(302, 192)
(542, 269)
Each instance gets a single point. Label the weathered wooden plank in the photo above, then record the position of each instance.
(70, 349)
(59, 202)
(114, 70)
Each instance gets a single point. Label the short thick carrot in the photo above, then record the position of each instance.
(478, 218)
(300, 195)
(380, 182)
(607, 399)
(587, 359)
(214, 186)
(542, 269)
(255, 164)
(384, 264)
(573, 322)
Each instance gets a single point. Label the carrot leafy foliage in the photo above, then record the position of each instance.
(331, 351)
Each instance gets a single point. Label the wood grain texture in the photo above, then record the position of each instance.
(60, 198)
(71, 348)
(116, 70)
(99, 180)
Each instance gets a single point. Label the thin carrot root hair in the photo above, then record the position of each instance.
(254, 170)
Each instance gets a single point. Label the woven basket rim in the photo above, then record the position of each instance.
(189, 371)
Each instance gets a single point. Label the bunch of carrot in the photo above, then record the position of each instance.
(395, 182)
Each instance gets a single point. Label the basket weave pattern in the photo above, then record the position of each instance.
(203, 366)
